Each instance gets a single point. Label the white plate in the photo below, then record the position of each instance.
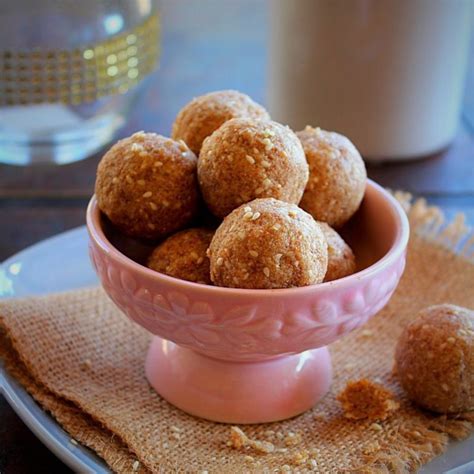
(62, 263)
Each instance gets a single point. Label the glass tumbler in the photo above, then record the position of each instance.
(69, 73)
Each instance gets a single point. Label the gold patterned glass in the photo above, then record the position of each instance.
(69, 72)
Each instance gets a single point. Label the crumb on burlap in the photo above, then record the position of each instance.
(238, 440)
(363, 399)
(292, 439)
(300, 457)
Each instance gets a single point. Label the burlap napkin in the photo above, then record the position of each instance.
(83, 362)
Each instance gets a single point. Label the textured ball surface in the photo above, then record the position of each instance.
(268, 244)
(337, 176)
(247, 159)
(435, 359)
(183, 255)
(341, 259)
(146, 185)
(205, 114)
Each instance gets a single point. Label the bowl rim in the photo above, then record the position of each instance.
(396, 250)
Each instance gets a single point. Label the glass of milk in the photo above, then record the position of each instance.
(389, 74)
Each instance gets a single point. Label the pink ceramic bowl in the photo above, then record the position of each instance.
(247, 356)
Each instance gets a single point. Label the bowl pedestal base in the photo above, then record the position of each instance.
(234, 391)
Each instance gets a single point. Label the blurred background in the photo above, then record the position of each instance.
(397, 76)
(255, 46)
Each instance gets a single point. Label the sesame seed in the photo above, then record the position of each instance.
(157, 164)
(292, 213)
(136, 465)
(253, 253)
(176, 436)
(285, 468)
(269, 133)
(451, 340)
(151, 226)
(245, 276)
(175, 429)
(200, 260)
(136, 147)
(219, 261)
(194, 255)
(248, 215)
(129, 179)
(376, 427)
(313, 463)
(250, 159)
(235, 280)
(267, 182)
(366, 333)
(73, 441)
(278, 258)
(444, 387)
(153, 205)
(182, 145)
(147, 194)
(249, 458)
(255, 216)
(115, 180)
(268, 144)
(259, 191)
(142, 154)
(266, 271)
(266, 164)
(410, 376)
(247, 209)
(165, 203)
(141, 182)
(276, 227)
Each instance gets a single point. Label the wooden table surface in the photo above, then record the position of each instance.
(206, 45)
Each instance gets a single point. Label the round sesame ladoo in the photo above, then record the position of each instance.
(247, 159)
(183, 255)
(337, 176)
(268, 243)
(341, 259)
(435, 359)
(146, 185)
(205, 114)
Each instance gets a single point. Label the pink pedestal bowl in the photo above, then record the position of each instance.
(250, 356)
